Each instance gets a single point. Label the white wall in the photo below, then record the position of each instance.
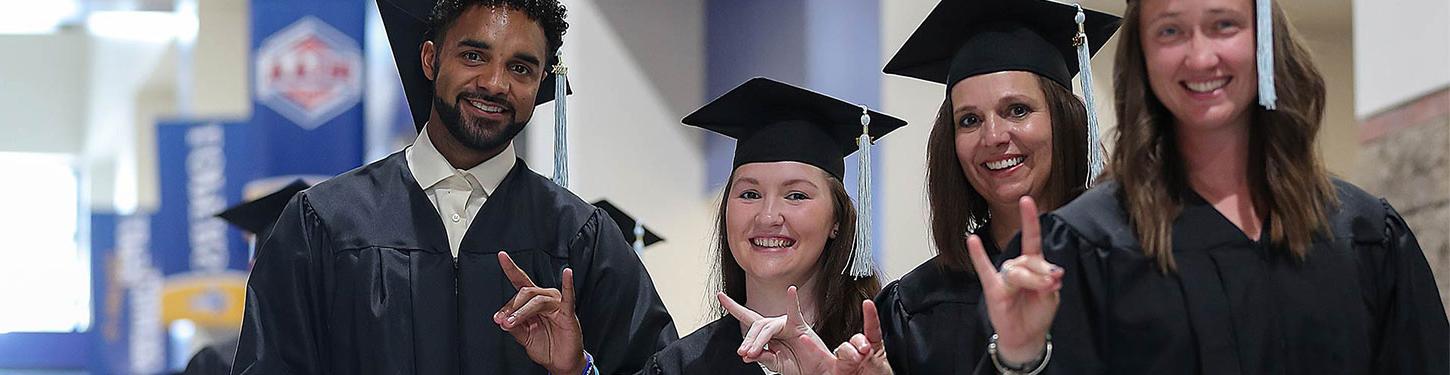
(1402, 51)
(43, 99)
(625, 138)
(904, 152)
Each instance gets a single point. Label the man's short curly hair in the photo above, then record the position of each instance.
(549, 14)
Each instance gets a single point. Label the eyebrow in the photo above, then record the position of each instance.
(528, 58)
(475, 43)
(753, 181)
(479, 44)
(1221, 11)
(1018, 98)
(1010, 98)
(800, 181)
(1166, 15)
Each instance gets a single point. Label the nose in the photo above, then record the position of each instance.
(995, 131)
(1201, 53)
(769, 215)
(493, 81)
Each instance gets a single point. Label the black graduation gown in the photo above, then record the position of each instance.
(709, 350)
(933, 320)
(1363, 301)
(357, 278)
(213, 359)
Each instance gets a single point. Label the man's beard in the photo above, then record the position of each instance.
(478, 134)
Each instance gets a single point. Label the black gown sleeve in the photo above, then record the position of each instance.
(208, 361)
(1414, 337)
(948, 337)
(893, 327)
(1076, 339)
(623, 318)
(282, 326)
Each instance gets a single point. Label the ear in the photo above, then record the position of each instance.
(430, 61)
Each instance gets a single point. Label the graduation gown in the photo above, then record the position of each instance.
(709, 350)
(933, 319)
(1363, 300)
(212, 359)
(357, 278)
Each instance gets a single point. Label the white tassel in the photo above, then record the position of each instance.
(1096, 159)
(1264, 28)
(638, 238)
(561, 122)
(861, 262)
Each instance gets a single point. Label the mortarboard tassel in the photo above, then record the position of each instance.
(1096, 158)
(860, 265)
(561, 121)
(1265, 56)
(638, 237)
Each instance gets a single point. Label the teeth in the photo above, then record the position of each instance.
(486, 107)
(772, 242)
(1206, 86)
(1004, 163)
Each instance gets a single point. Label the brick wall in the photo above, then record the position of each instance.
(1405, 157)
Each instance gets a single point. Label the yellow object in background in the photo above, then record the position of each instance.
(212, 300)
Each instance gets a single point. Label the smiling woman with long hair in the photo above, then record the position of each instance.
(786, 236)
(1010, 127)
(1220, 244)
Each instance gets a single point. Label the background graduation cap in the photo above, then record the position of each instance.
(258, 215)
(406, 22)
(773, 121)
(634, 231)
(965, 38)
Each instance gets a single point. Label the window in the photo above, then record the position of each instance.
(44, 272)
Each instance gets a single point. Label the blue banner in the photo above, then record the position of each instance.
(126, 289)
(307, 71)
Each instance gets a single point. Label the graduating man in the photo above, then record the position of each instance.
(452, 256)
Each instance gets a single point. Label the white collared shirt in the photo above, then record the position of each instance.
(457, 194)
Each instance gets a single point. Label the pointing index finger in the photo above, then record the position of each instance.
(742, 313)
(514, 273)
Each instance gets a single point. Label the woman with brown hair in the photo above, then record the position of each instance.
(786, 228)
(1220, 244)
(1010, 127)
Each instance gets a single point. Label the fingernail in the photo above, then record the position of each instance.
(510, 320)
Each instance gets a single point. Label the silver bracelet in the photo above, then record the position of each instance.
(1040, 364)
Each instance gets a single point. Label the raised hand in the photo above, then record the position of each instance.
(542, 320)
(865, 353)
(786, 344)
(1022, 297)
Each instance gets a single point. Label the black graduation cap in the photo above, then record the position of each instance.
(258, 215)
(964, 38)
(406, 22)
(627, 226)
(775, 121)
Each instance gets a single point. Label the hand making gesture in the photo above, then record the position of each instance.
(543, 321)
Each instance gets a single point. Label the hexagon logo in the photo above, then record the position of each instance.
(309, 72)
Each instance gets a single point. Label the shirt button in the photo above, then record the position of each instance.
(456, 218)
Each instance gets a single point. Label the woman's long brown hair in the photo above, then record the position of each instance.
(1286, 176)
